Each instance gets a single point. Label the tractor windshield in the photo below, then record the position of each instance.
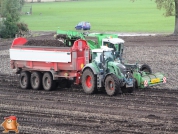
(110, 45)
(108, 55)
(96, 57)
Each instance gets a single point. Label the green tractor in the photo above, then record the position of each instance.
(104, 72)
(142, 74)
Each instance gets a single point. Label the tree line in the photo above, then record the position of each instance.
(10, 16)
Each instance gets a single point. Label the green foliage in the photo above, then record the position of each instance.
(9, 27)
(11, 7)
(22, 27)
(171, 9)
(167, 5)
(10, 11)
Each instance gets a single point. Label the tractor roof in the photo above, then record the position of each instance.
(103, 48)
(114, 40)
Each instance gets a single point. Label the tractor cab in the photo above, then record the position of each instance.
(102, 56)
(104, 60)
(117, 44)
(96, 40)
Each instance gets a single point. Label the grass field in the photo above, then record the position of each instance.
(104, 15)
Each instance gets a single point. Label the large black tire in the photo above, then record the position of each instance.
(89, 82)
(36, 80)
(146, 68)
(24, 80)
(48, 82)
(112, 85)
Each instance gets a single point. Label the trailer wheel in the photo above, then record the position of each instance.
(89, 82)
(36, 80)
(25, 80)
(112, 85)
(48, 82)
(146, 68)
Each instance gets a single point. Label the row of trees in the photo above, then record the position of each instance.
(10, 14)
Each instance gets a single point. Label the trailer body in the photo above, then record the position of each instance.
(61, 62)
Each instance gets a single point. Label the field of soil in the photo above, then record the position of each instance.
(153, 110)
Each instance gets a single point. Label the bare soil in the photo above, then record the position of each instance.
(51, 43)
(153, 110)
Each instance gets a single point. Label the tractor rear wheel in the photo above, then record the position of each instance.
(48, 82)
(36, 80)
(146, 68)
(25, 80)
(112, 85)
(89, 82)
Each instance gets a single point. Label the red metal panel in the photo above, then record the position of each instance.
(19, 42)
(80, 63)
(77, 47)
(67, 74)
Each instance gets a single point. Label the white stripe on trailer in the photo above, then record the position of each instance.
(38, 55)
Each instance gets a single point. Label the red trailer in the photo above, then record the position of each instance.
(44, 66)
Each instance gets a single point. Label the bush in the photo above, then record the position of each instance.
(22, 28)
(8, 28)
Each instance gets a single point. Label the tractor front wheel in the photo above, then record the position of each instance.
(89, 82)
(112, 85)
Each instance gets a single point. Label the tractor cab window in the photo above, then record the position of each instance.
(105, 43)
(110, 45)
(96, 57)
(109, 55)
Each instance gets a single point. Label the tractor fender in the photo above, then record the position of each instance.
(90, 67)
